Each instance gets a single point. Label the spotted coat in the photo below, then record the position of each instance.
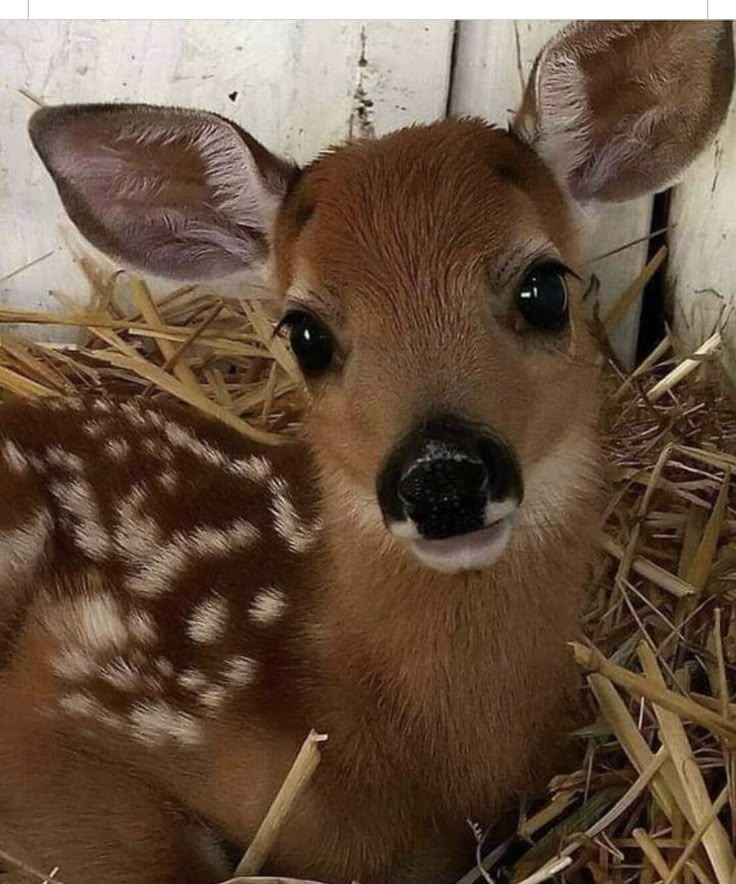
(177, 613)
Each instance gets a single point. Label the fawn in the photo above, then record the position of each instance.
(180, 606)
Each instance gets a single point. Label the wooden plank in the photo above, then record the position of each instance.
(493, 60)
(702, 267)
(296, 85)
(403, 75)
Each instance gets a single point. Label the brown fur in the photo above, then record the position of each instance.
(148, 727)
(423, 697)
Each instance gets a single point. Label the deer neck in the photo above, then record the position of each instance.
(421, 671)
(441, 641)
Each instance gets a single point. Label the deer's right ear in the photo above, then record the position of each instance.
(618, 109)
(178, 193)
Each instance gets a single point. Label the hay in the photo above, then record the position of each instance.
(655, 797)
(219, 356)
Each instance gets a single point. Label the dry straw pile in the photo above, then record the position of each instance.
(655, 797)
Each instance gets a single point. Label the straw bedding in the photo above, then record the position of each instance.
(655, 797)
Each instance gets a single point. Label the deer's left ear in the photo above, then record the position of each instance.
(619, 109)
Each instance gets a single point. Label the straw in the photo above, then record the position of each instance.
(654, 796)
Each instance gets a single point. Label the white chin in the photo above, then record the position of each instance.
(469, 552)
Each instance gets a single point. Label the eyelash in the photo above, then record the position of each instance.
(554, 262)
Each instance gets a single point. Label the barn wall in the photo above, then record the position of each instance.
(702, 267)
(299, 85)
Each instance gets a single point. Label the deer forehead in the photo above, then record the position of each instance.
(417, 202)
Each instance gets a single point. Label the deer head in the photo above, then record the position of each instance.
(428, 279)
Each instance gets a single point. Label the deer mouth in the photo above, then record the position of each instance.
(472, 551)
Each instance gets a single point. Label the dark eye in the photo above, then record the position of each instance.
(310, 341)
(542, 297)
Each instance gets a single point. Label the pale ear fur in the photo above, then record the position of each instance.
(618, 109)
(179, 193)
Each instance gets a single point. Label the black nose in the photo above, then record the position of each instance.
(443, 475)
(444, 490)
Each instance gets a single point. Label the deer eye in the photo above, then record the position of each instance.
(542, 296)
(310, 341)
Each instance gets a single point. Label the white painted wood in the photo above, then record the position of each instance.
(493, 60)
(403, 72)
(296, 85)
(702, 265)
(299, 85)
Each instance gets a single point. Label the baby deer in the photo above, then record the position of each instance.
(180, 607)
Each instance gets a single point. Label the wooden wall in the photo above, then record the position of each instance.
(299, 85)
(702, 265)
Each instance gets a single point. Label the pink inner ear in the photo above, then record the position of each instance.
(619, 109)
(176, 193)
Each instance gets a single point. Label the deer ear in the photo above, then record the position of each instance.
(619, 109)
(178, 193)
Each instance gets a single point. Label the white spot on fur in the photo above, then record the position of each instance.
(158, 447)
(102, 405)
(240, 671)
(152, 683)
(213, 697)
(299, 536)
(142, 627)
(255, 468)
(23, 547)
(208, 621)
(192, 680)
(110, 719)
(38, 463)
(14, 459)
(168, 480)
(118, 449)
(80, 703)
(132, 410)
(96, 428)
(92, 622)
(63, 404)
(84, 705)
(165, 667)
(59, 457)
(162, 571)
(180, 437)
(268, 605)
(121, 675)
(76, 499)
(136, 536)
(74, 664)
(156, 722)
